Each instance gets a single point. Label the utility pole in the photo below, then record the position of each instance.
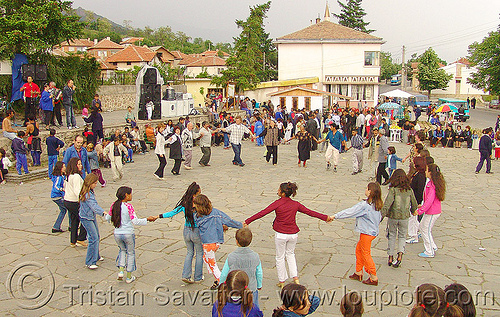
(403, 70)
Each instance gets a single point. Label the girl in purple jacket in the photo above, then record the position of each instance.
(434, 194)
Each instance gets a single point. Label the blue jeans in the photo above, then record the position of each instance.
(62, 212)
(260, 141)
(93, 240)
(70, 116)
(130, 153)
(126, 255)
(237, 153)
(193, 243)
(256, 297)
(21, 161)
(226, 139)
(52, 162)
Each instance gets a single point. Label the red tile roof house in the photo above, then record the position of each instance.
(198, 63)
(132, 56)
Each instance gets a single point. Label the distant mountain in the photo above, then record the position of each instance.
(85, 14)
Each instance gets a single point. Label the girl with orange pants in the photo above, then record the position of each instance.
(367, 214)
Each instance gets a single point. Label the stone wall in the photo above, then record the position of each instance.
(117, 97)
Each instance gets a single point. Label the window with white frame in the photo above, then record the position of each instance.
(372, 58)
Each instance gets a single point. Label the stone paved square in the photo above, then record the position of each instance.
(466, 234)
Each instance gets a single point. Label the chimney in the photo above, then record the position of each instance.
(108, 38)
(318, 19)
(95, 41)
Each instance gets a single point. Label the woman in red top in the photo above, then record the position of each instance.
(286, 229)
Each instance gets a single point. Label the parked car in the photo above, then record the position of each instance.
(494, 104)
(419, 101)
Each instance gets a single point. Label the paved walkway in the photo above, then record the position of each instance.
(466, 234)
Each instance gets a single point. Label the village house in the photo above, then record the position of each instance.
(207, 62)
(104, 49)
(75, 46)
(345, 61)
(132, 56)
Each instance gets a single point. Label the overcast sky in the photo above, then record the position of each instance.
(449, 26)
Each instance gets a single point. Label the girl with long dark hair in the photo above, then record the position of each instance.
(88, 209)
(72, 189)
(123, 218)
(367, 214)
(286, 229)
(399, 204)
(434, 194)
(191, 234)
(57, 194)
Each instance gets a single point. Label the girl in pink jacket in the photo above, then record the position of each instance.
(434, 194)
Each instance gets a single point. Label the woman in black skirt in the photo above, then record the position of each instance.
(176, 149)
(304, 146)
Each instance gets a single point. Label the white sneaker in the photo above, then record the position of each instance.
(69, 128)
(188, 167)
(92, 267)
(130, 280)
(412, 240)
(101, 259)
(120, 276)
(75, 127)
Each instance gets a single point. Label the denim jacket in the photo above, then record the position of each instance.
(367, 218)
(89, 207)
(210, 226)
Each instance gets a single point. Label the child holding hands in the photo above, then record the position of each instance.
(210, 222)
(123, 218)
(367, 214)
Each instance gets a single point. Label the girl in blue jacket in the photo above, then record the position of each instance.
(88, 209)
(57, 194)
(212, 223)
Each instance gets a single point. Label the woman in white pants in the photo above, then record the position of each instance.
(434, 193)
(114, 150)
(286, 229)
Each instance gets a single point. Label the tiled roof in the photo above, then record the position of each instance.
(131, 40)
(165, 59)
(311, 90)
(197, 60)
(78, 42)
(463, 60)
(132, 53)
(59, 52)
(178, 54)
(328, 31)
(106, 44)
(103, 65)
(215, 53)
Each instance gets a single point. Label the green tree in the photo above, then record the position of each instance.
(430, 76)
(485, 56)
(387, 66)
(255, 56)
(34, 26)
(351, 15)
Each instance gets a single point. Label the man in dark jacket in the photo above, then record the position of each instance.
(312, 128)
(485, 148)
(67, 95)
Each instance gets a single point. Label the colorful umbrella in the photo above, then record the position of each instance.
(447, 107)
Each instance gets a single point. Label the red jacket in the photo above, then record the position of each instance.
(432, 205)
(286, 211)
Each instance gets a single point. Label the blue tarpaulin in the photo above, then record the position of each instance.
(17, 77)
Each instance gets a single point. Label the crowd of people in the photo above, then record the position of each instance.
(412, 205)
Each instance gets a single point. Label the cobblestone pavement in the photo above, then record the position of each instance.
(466, 234)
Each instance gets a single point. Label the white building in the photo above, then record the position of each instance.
(346, 61)
(458, 87)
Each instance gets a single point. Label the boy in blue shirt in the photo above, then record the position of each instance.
(392, 160)
(245, 260)
(336, 140)
(20, 150)
(53, 146)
